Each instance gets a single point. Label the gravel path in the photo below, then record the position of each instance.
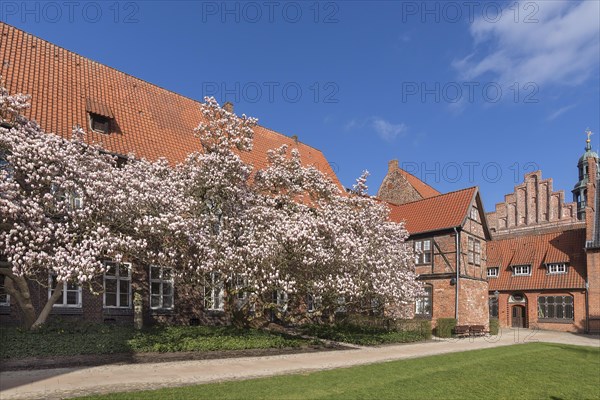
(71, 382)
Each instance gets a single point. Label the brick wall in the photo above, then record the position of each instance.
(473, 302)
(395, 188)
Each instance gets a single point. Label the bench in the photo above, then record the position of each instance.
(462, 330)
(477, 330)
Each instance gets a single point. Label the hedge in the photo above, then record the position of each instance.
(444, 327)
(494, 326)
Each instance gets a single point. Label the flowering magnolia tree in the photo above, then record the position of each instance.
(288, 230)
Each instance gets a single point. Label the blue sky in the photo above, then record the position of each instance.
(462, 93)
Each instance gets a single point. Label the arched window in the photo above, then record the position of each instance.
(493, 302)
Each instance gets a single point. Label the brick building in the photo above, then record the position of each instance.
(543, 263)
(126, 115)
(449, 234)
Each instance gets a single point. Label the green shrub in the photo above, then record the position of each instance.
(494, 326)
(444, 327)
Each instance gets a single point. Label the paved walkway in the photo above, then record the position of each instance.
(71, 382)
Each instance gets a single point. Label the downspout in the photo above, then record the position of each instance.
(457, 237)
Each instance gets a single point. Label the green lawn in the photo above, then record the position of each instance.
(81, 338)
(527, 371)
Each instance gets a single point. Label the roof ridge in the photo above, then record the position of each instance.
(433, 197)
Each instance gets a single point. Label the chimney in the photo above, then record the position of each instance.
(228, 106)
(295, 138)
(392, 165)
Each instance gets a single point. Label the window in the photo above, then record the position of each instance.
(493, 302)
(423, 251)
(4, 296)
(280, 297)
(241, 284)
(117, 285)
(555, 307)
(214, 292)
(72, 199)
(71, 294)
(161, 288)
(423, 303)
(492, 272)
(521, 270)
(557, 268)
(474, 214)
(474, 252)
(313, 302)
(99, 123)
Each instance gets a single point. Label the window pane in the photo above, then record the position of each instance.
(110, 285)
(154, 272)
(167, 301)
(569, 311)
(167, 289)
(110, 299)
(72, 286)
(110, 269)
(154, 301)
(427, 245)
(72, 297)
(124, 287)
(550, 312)
(569, 300)
(559, 311)
(166, 274)
(155, 288)
(124, 298)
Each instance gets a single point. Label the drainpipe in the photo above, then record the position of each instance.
(587, 307)
(457, 237)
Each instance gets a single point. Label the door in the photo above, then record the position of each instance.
(518, 316)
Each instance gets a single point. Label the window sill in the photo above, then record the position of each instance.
(162, 311)
(67, 310)
(555, 321)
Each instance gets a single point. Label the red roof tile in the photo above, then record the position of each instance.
(537, 250)
(436, 213)
(150, 121)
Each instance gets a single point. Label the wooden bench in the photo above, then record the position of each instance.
(462, 330)
(477, 330)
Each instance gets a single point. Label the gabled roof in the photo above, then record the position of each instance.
(149, 121)
(538, 250)
(445, 211)
(421, 187)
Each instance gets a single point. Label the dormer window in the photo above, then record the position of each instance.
(100, 115)
(557, 268)
(99, 123)
(492, 272)
(522, 270)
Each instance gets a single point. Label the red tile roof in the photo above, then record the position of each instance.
(537, 250)
(436, 213)
(424, 189)
(148, 120)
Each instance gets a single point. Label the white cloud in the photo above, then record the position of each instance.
(559, 112)
(386, 130)
(562, 47)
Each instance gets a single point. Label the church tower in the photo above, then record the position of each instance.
(588, 171)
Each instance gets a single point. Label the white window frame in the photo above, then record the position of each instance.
(556, 268)
(214, 292)
(6, 302)
(161, 281)
(474, 251)
(474, 214)
(116, 277)
(496, 272)
(423, 253)
(423, 304)
(62, 302)
(281, 299)
(521, 270)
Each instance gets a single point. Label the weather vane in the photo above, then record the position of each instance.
(588, 133)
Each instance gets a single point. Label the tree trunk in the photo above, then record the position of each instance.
(18, 289)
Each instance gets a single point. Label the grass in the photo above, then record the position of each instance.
(364, 335)
(77, 339)
(525, 371)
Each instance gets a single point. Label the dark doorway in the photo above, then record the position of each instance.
(519, 316)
